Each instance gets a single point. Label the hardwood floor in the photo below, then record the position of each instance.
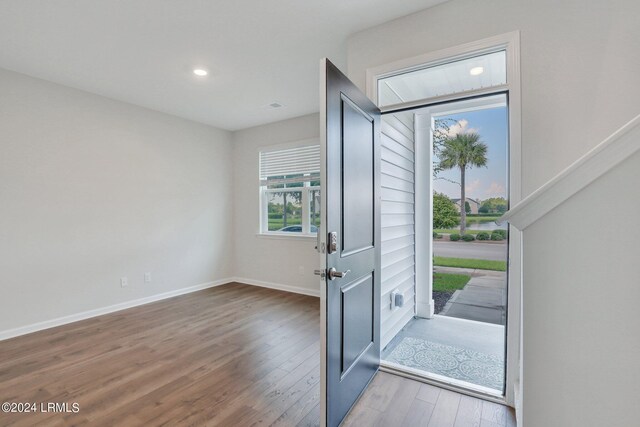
(235, 355)
(391, 400)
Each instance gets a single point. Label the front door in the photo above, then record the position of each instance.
(350, 242)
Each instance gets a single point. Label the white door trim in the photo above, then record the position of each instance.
(510, 42)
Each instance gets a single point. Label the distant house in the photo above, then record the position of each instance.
(473, 204)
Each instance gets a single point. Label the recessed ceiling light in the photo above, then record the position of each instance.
(200, 72)
(476, 71)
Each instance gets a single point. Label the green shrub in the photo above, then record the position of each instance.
(454, 237)
(497, 236)
(483, 235)
(468, 237)
(445, 214)
(501, 232)
(437, 236)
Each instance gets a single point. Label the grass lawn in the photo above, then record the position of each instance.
(449, 282)
(480, 264)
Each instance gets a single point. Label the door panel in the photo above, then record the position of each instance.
(357, 178)
(350, 153)
(357, 324)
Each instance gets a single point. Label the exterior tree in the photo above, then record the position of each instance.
(445, 214)
(441, 129)
(493, 205)
(467, 207)
(314, 198)
(289, 198)
(463, 151)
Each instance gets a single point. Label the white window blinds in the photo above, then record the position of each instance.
(290, 165)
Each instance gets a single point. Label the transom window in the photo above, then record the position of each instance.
(290, 190)
(458, 76)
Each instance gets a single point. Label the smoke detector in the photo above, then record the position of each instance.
(274, 105)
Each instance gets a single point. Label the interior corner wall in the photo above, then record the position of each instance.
(284, 263)
(92, 190)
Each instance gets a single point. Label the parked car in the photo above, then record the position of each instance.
(298, 229)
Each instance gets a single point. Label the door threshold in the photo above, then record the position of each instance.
(440, 381)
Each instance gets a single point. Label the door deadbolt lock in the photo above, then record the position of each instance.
(333, 242)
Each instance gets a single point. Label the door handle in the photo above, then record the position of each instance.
(333, 274)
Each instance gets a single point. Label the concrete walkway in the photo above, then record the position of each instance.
(483, 299)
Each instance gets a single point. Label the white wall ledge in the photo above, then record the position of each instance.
(605, 156)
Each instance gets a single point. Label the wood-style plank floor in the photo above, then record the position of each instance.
(234, 355)
(391, 400)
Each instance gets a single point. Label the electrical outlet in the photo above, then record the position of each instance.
(393, 299)
(124, 282)
(147, 277)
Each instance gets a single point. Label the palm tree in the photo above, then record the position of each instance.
(463, 151)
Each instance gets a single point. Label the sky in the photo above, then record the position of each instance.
(486, 182)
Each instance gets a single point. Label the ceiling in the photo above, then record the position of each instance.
(144, 51)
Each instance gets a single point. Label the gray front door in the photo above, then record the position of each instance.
(350, 147)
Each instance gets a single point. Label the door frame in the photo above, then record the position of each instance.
(510, 43)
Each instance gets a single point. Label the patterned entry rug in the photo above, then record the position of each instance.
(453, 362)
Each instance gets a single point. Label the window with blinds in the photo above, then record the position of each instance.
(290, 190)
(295, 164)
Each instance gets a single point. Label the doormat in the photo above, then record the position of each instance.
(453, 362)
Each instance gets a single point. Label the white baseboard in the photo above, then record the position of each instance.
(23, 330)
(35, 327)
(278, 286)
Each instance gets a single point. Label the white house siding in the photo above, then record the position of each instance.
(398, 231)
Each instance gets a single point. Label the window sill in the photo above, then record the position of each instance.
(287, 236)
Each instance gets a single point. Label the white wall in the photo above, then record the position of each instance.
(581, 315)
(270, 261)
(579, 61)
(93, 189)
